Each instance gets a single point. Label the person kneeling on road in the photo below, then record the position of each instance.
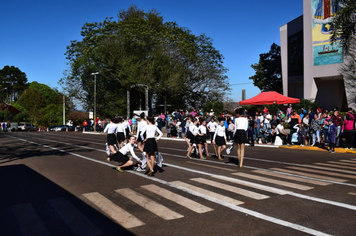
(121, 156)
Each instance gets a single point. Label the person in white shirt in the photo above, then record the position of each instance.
(121, 133)
(202, 139)
(121, 155)
(140, 126)
(212, 125)
(241, 124)
(220, 138)
(194, 136)
(110, 129)
(150, 143)
(281, 132)
(127, 127)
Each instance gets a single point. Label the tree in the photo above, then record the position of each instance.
(41, 105)
(344, 23)
(140, 48)
(268, 76)
(13, 82)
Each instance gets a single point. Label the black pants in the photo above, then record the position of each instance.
(349, 137)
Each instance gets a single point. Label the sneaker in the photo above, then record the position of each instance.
(228, 151)
(301, 145)
(332, 151)
(346, 148)
(119, 169)
(140, 169)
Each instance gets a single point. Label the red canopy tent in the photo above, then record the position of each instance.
(269, 98)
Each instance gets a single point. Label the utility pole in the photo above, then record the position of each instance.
(95, 73)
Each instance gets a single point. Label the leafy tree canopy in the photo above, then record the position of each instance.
(268, 76)
(140, 48)
(12, 83)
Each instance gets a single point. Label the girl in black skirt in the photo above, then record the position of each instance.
(220, 138)
(194, 136)
(241, 124)
(121, 133)
(110, 129)
(150, 143)
(121, 155)
(202, 139)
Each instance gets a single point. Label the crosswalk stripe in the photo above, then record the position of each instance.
(337, 166)
(208, 193)
(349, 161)
(309, 181)
(183, 201)
(279, 182)
(76, 221)
(210, 166)
(230, 188)
(310, 175)
(352, 194)
(342, 163)
(115, 212)
(322, 172)
(332, 169)
(28, 220)
(149, 204)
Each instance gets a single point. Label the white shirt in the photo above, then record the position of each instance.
(128, 148)
(212, 126)
(193, 129)
(279, 128)
(110, 128)
(121, 128)
(267, 119)
(151, 132)
(202, 129)
(140, 126)
(241, 123)
(220, 131)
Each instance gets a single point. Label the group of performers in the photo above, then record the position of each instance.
(117, 134)
(118, 149)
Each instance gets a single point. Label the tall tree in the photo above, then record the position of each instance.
(344, 23)
(268, 76)
(12, 83)
(140, 48)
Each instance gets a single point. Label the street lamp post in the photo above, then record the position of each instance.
(95, 73)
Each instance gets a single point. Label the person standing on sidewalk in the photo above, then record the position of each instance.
(331, 132)
(337, 121)
(348, 127)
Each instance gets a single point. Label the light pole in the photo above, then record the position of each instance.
(95, 73)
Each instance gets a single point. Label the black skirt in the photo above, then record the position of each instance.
(119, 157)
(189, 135)
(127, 130)
(150, 145)
(220, 141)
(194, 139)
(139, 139)
(240, 136)
(202, 139)
(111, 139)
(120, 137)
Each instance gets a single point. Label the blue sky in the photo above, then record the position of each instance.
(35, 34)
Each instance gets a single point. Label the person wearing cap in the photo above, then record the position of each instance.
(331, 133)
(337, 121)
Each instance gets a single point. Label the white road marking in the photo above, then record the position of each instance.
(342, 163)
(115, 212)
(230, 188)
(284, 176)
(28, 220)
(208, 193)
(349, 161)
(331, 169)
(322, 172)
(336, 166)
(274, 181)
(148, 204)
(210, 166)
(183, 201)
(310, 175)
(76, 221)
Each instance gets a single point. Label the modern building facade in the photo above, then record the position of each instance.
(310, 64)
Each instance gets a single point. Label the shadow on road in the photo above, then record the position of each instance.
(31, 203)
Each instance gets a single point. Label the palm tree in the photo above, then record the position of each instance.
(345, 24)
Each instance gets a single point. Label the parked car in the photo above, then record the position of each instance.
(64, 128)
(52, 127)
(78, 128)
(27, 127)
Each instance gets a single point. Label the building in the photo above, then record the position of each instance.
(310, 64)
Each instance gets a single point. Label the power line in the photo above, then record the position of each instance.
(241, 84)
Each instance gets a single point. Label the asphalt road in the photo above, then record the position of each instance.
(59, 184)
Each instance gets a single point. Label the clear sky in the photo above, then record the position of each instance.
(35, 34)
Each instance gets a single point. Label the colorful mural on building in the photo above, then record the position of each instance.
(324, 52)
